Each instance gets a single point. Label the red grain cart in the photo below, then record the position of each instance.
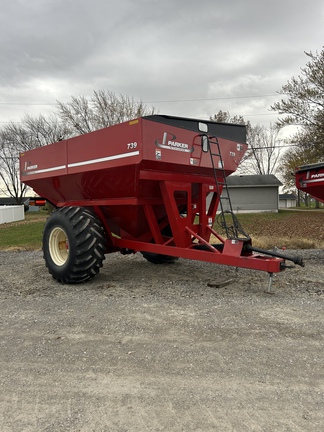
(310, 179)
(150, 185)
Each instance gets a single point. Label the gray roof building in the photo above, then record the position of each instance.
(253, 193)
(287, 200)
(267, 180)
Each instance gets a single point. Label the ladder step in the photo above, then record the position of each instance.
(222, 184)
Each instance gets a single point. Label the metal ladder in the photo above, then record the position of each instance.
(232, 227)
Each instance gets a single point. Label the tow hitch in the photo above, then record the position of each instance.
(295, 259)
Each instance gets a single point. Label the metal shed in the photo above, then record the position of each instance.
(254, 193)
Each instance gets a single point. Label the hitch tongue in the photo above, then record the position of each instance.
(295, 259)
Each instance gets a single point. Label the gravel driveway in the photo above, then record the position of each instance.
(188, 346)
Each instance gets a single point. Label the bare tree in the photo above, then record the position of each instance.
(79, 116)
(44, 130)
(226, 117)
(33, 132)
(15, 138)
(264, 151)
(103, 109)
(10, 184)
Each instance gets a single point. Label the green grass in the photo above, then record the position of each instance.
(23, 235)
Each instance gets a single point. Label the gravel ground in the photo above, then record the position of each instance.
(189, 346)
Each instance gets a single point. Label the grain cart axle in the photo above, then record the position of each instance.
(151, 185)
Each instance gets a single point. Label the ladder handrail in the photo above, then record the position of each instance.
(235, 228)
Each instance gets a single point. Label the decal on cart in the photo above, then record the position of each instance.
(318, 175)
(81, 163)
(169, 141)
(132, 145)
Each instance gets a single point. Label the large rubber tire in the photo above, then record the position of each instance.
(158, 258)
(73, 245)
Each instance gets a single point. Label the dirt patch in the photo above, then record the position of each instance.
(189, 346)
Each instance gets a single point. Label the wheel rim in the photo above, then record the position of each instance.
(58, 246)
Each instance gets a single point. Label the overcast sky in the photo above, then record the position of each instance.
(184, 57)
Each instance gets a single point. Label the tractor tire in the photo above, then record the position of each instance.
(159, 258)
(73, 245)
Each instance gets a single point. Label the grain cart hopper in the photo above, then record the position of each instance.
(150, 185)
(310, 179)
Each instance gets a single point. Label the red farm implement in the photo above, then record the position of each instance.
(310, 179)
(152, 185)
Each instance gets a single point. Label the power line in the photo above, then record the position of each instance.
(211, 99)
(27, 104)
(250, 148)
(243, 115)
(153, 101)
(261, 114)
